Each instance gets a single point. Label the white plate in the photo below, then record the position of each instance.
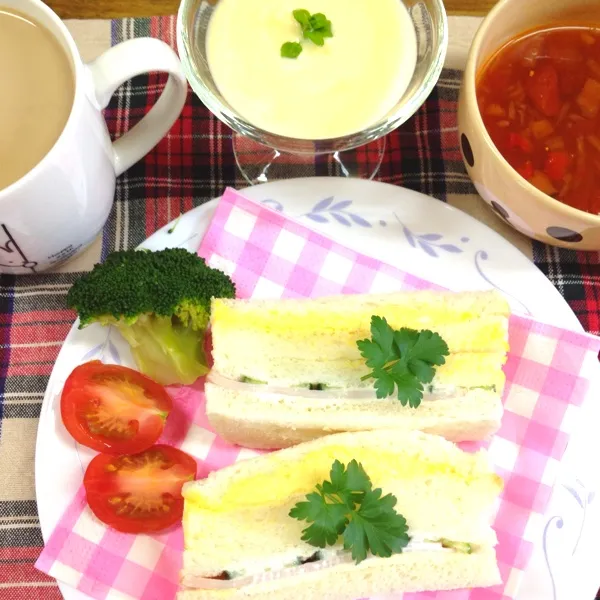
(420, 235)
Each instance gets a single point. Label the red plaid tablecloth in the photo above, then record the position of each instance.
(192, 165)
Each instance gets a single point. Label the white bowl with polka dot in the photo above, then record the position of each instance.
(509, 195)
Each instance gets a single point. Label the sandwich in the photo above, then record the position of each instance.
(291, 370)
(346, 516)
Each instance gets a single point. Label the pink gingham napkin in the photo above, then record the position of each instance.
(269, 255)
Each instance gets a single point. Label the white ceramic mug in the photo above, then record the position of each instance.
(59, 207)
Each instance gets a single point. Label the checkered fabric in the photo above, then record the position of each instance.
(269, 255)
(191, 165)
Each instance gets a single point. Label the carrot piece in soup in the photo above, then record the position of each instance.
(495, 110)
(589, 98)
(542, 182)
(541, 129)
(588, 39)
(556, 142)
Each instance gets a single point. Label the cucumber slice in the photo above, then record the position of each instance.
(245, 379)
(315, 557)
(462, 547)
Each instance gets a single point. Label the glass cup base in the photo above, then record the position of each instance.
(259, 163)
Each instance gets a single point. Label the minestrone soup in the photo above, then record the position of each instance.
(539, 97)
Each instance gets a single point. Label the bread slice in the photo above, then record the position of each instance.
(237, 521)
(267, 421)
(408, 572)
(287, 341)
(268, 354)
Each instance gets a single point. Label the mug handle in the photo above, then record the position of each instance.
(124, 61)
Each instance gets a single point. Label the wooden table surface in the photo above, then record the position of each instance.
(107, 9)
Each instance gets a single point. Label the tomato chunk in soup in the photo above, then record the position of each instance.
(539, 97)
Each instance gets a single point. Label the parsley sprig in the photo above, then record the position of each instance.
(347, 505)
(404, 360)
(291, 50)
(315, 28)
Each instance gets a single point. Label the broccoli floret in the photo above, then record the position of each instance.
(159, 302)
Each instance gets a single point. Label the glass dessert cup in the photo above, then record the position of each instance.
(263, 156)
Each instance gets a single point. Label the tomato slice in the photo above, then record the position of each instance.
(516, 140)
(139, 493)
(526, 169)
(556, 165)
(113, 409)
